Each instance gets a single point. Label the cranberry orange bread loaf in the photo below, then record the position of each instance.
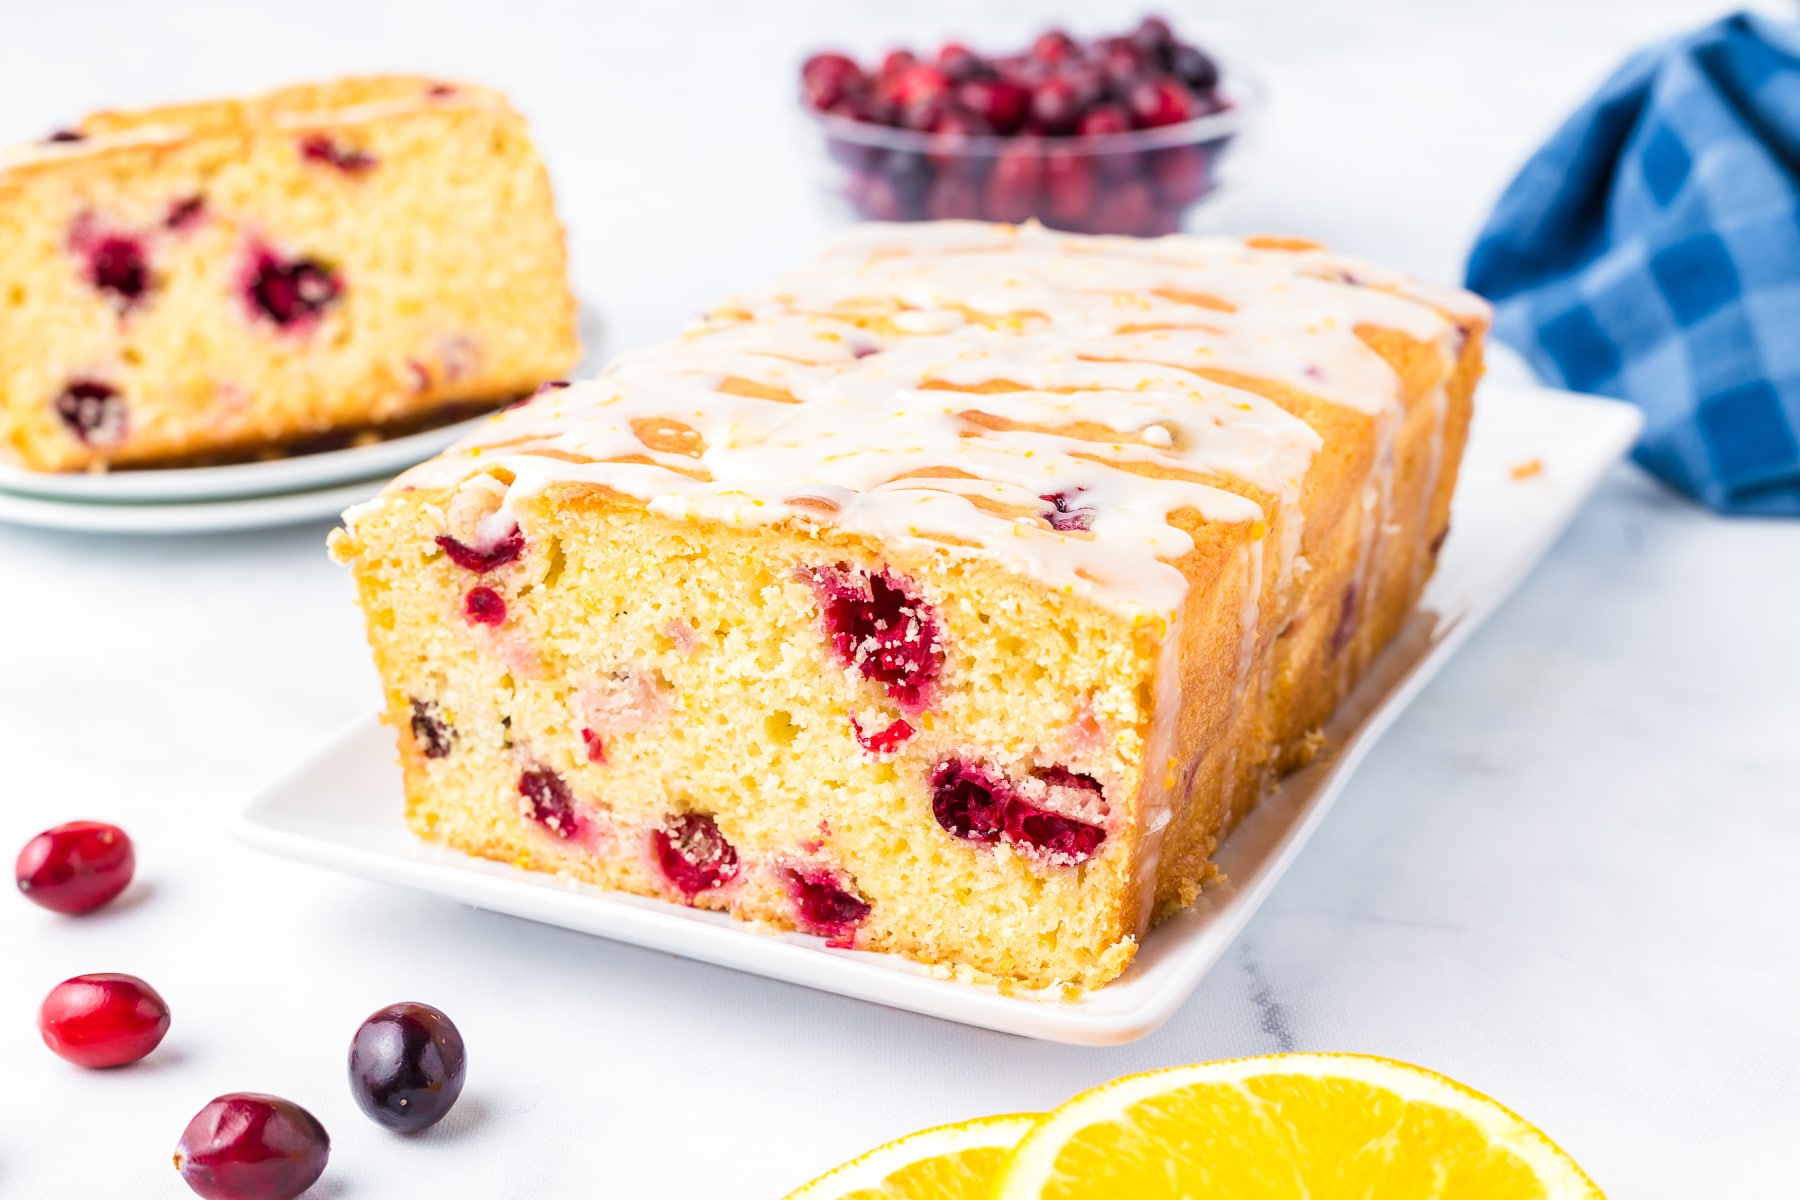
(952, 598)
(208, 280)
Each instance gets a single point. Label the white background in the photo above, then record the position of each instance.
(1569, 877)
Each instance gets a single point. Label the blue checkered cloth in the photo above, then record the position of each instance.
(1651, 251)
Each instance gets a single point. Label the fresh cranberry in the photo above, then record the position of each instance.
(895, 62)
(407, 1064)
(1064, 841)
(951, 135)
(1123, 61)
(1054, 46)
(876, 625)
(1000, 103)
(76, 867)
(93, 411)
(882, 741)
(433, 738)
(1055, 105)
(480, 561)
(920, 83)
(548, 802)
(1346, 626)
(1065, 516)
(596, 747)
(693, 854)
(185, 213)
(484, 606)
(969, 801)
(1154, 37)
(1161, 100)
(1090, 85)
(826, 79)
(1179, 173)
(249, 1146)
(1012, 187)
(823, 904)
(293, 293)
(119, 265)
(1104, 120)
(320, 149)
(1068, 184)
(1193, 67)
(953, 198)
(66, 135)
(1126, 207)
(103, 1020)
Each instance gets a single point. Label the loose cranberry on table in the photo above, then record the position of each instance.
(76, 867)
(1050, 132)
(250, 1146)
(406, 1067)
(103, 1020)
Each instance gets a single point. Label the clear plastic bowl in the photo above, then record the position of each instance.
(1145, 182)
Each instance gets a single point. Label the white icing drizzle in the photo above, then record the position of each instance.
(826, 398)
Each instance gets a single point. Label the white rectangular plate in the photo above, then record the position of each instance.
(342, 809)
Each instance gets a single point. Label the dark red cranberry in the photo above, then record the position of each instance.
(1055, 105)
(823, 904)
(1193, 67)
(693, 854)
(249, 1146)
(886, 633)
(440, 91)
(1069, 186)
(103, 1020)
(406, 1067)
(484, 606)
(1346, 626)
(1065, 516)
(1154, 37)
(186, 213)
(882, 741)
(953, 198)
(67, 135)
(969, 801)
(596, 748)
(1064, 841)
(433, 738)
(1054, 46)
(826, 79)
(481, 561)
(1126, 207)
(93, 411)
(1179, 173)
(293, 293)
(1090, 84)
(118, 264)
(548, 802)
(958, 62)
(1000, 103)
(1012, 187)
(1161, 100)
(320, 149)
(75, 867)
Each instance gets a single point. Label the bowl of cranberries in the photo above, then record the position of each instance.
(1113, 135)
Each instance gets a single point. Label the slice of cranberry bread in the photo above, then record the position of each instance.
(220, 279)
(952, 598)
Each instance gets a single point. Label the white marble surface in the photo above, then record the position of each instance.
(1567, 877)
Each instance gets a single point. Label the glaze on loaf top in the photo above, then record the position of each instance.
(1007, 392)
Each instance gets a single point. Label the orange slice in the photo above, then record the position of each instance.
(950, 1162)
(1288, 1127)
